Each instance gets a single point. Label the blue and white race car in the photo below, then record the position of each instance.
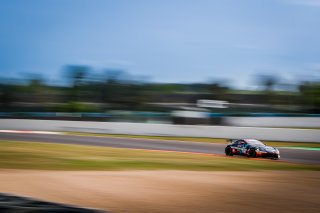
(251, 148)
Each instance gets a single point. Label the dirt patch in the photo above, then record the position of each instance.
(170, 191)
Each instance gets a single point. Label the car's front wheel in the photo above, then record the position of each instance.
(228, 151)
(277, 158)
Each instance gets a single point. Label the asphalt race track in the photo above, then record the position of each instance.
(292, 155)
(11, 203)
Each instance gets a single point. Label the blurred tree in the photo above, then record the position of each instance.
(310, 96)
(6, 96)
(218, 90)
(117, 75)
(268, 82)
(76, 75)
(36, 90)
(77, 107)
(115, 89)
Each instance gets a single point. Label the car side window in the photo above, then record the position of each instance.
(241, 144)
(245, 145)
(235, 143)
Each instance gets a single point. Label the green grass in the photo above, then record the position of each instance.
(46, 156)
(197, 139)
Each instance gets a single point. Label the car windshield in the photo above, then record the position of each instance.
(255, 142)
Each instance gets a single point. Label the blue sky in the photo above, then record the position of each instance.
(166, 40)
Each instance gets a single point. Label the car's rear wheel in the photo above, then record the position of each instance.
(252, 153)
(228, 151)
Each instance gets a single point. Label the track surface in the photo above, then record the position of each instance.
(292, 155)
(11, 203)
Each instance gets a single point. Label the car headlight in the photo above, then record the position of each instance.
(277, 151)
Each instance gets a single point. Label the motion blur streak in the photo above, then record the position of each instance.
(207, 69)
(292, 155)
(171, 191)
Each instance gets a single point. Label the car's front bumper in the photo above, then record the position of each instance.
(268, 155)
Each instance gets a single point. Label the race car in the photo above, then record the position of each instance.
(251, 148)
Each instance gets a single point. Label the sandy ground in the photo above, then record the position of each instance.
(170, 191)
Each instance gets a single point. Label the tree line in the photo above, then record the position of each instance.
(84, 91)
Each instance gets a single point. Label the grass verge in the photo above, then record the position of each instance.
(46, 156)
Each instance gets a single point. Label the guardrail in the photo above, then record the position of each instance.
(277, 134)
(230, 119)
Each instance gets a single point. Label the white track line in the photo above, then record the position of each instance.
(30, 132)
